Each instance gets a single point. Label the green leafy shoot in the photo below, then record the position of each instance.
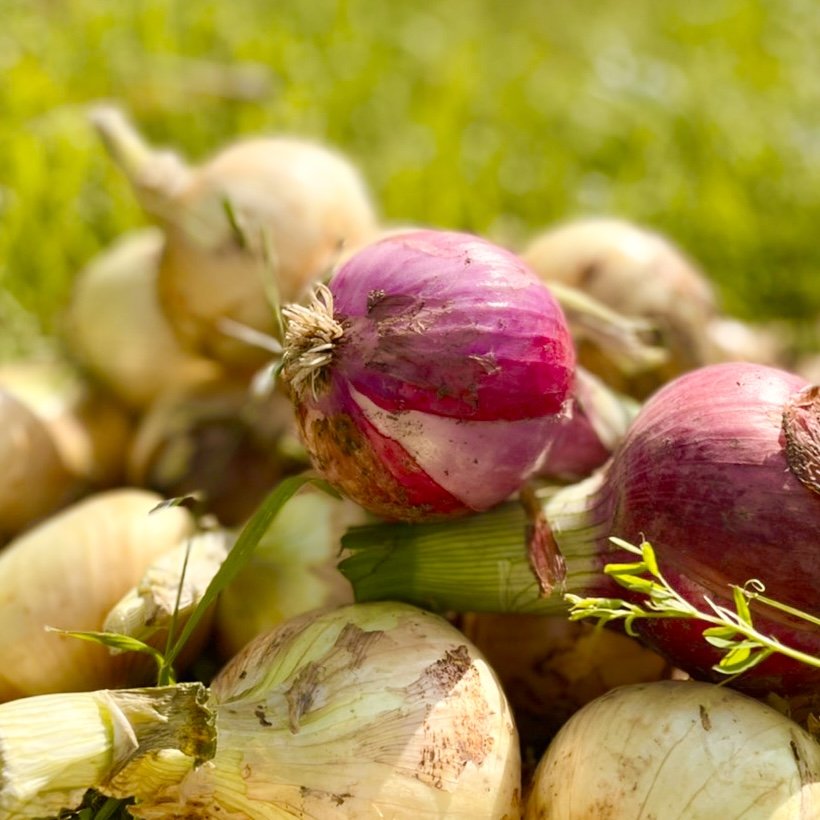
(732, 632)
(115, 640)
(233, 220)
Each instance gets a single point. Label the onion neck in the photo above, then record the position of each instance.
(522, 556)
(156, 176)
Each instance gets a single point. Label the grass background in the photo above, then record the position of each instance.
(700, 118)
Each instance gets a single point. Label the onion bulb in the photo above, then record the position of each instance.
(168, 592)
(678, 749)
(115, 327)
(292, 570)
(375, 710)
(36, 481)
(279, 207)
(429, 375)
(638, 273)
(90, 428)
(67, 573)
(550, 666)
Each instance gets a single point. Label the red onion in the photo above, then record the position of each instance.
(428, 376)
(706, 475)
(720, 471)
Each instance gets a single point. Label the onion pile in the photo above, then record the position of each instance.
(429, 375)
(482, 419)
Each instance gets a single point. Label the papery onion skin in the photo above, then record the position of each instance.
(116, 329)
(451, 367)
(374, 710)
(67, 573)
(703, 475)
(677, 749)
(584, 441)
(36, 480)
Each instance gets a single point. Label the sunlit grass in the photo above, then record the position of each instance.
(701, 118)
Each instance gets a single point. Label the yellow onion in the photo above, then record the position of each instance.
(280, 207)
(218, 440)
(35, 479)
(678, 749)
(639, 273)
(90, 429)
(735, 340)
(128, 743)
(550, 666)
(292, 570)
(369, 710)
(67, 573)
(117, 330)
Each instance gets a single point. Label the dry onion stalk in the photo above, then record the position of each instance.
(126, 743)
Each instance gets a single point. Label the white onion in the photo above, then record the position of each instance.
(678, 750)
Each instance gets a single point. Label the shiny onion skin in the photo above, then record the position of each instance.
(720, 472)
(428, 377)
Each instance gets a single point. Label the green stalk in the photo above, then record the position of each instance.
(504, 560)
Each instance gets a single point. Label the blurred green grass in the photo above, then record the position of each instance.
(698, 117)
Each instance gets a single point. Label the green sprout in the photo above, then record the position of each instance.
(731, 632)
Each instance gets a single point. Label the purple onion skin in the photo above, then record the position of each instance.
(703, 475)
(576, 450)
(452, 345)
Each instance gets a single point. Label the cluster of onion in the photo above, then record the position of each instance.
(124, 562)
(354, 710)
